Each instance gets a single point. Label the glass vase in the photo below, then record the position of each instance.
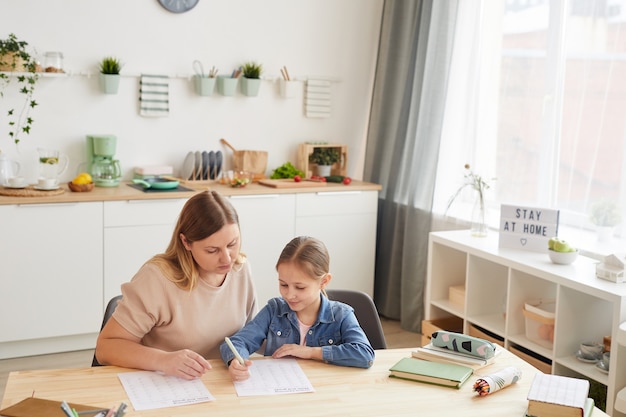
(479, 223)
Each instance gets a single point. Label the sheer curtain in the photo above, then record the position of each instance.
(536, 101)
(403, 146)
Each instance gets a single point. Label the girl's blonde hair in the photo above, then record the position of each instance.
(309, 254)
(202, 215)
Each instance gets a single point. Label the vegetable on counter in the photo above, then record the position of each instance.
(287, 170)
(335, 178)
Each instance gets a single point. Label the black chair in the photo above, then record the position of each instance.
(108, 312)
(366, 313)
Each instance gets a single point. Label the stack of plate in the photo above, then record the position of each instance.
(199, 166)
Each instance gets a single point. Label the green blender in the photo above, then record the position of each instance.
(105, 171)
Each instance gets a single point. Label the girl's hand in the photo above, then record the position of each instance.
(239, 372)
(297, 351)
(185, 364)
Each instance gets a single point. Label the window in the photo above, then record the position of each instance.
(547, 89)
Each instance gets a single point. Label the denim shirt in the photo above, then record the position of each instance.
(336, 330)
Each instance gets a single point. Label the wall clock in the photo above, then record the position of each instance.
(179, 6)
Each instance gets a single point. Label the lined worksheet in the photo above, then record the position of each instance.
(274, 377)
(148, 390)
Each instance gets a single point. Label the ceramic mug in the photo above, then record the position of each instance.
(47, 182)
(17, 182)
(591, 350)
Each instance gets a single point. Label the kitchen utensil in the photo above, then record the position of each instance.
(187, 169)
(205, 165)
(211, 165)
(254, 162)
(157, 183)
(218, 164)
(106, 172)
(198, 165)
(52, 163)
(198, 68)
(290, 183)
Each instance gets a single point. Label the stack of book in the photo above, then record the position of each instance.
(559, 396)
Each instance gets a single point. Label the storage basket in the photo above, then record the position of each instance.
(539, 316)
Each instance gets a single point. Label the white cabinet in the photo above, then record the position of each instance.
(346, 223)
(498, 283)
(51, 279)
(267, 224)
(134, 231)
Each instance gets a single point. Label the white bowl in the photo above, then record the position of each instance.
(562, 258)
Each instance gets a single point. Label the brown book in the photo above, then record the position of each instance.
(39, 407)
(557, 396)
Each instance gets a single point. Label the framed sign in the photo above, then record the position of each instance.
(527, 228)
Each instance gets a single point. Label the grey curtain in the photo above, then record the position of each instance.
(403, 146)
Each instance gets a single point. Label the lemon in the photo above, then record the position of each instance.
(86, 176)
(82, 178)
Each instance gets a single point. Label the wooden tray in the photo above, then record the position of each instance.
(29, 192)
(290, 183)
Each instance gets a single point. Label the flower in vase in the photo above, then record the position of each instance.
(474, 181)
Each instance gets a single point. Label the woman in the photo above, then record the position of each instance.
(180, 305)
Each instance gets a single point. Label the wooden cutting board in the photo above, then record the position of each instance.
(290, 183)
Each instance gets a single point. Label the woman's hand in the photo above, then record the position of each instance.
(297, 351)
(185, 364)
(239, 372)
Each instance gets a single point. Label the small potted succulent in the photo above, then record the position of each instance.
(251, 81)
(15, 57)
(109, 76)
(324, 158)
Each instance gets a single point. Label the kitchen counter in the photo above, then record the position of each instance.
(124, 192)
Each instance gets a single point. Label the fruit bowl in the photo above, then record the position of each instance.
(563, 258)
(80, 188)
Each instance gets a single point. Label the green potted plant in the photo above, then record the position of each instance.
(109, 77)
(605, 214)
(324, 158)
(14, 57)
(251, 81)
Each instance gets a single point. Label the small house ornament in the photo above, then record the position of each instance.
(611, 268)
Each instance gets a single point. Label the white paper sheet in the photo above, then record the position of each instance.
(148, 390)
(274, 377)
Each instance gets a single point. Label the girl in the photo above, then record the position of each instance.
(302, 323)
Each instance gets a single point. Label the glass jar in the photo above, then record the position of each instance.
(53, 62)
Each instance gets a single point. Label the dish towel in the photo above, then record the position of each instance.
(317, 99)
(154, 100)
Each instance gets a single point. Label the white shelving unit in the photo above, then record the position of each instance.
(498, 282)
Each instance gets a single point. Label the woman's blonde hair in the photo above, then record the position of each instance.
(309, 254)
(202, 215)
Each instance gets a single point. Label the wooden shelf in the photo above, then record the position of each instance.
(306, 149)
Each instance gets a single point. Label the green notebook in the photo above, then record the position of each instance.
(446, 374)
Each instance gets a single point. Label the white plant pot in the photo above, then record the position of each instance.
(109, 83)
(604, 233)
(323, 170)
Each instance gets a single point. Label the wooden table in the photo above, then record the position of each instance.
(339, 391)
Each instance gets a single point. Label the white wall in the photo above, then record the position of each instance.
(328, 38)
